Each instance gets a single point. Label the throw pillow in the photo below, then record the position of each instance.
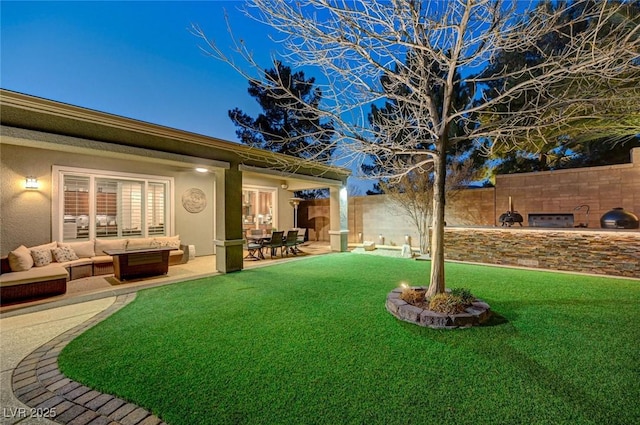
(64, 254)
(168, 241)
(41, 257)
(20, 259)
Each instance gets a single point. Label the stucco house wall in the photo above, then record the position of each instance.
(23, 212)
(26, 214)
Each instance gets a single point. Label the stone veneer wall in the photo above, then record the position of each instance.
(614, 253)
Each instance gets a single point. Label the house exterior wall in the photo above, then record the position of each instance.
(26, 214)
(314, 216)
(195, 229)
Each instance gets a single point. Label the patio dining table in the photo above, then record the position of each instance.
(262, 240)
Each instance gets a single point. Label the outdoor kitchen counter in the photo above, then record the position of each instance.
(612, 252)
(547, 229)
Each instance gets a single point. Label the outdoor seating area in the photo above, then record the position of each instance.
(45, 270)
(258, 242)
(98, 286)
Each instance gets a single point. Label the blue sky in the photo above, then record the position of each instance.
(135, 59)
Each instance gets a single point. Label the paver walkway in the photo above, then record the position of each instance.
(38, 383)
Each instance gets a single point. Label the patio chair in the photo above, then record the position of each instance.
(290, 242)
(302, 232)
(274, 243)
(254, 250)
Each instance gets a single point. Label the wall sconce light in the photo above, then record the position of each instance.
(284, 185)
(31, 183)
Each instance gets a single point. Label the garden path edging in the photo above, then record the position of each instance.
(38, 383)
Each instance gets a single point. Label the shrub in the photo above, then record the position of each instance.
(465, 295)
(446, 303)
(413, 296)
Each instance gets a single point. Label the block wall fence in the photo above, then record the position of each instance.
(375, 218)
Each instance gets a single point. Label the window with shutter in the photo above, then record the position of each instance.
(156, 205)
(76, 207)
(94, 205)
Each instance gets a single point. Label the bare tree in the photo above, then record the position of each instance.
(413, 195)
(352, 44)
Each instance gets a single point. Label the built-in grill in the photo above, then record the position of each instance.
(550, 220)
(510, 218)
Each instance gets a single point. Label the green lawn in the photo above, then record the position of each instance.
(310, 342)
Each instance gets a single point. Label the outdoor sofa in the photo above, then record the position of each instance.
(44, 270)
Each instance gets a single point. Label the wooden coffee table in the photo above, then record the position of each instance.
(133, 263)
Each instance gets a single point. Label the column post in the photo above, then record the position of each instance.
(228, 221)
(338, 226)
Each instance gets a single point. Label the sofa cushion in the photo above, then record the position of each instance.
(49, 246)
(139, 243)
(64, 254)
(84, 249)
(20, 259)
(101, 259)
(41, 257)
(36, 274)
(167, 241)
(102, 244)
(78, 262)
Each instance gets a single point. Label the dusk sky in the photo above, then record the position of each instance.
(135, 59)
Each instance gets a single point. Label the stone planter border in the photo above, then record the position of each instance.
(475, 315)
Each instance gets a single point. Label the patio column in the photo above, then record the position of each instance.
(229, 238)
(338, 226)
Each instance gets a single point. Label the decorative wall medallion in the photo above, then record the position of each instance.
(194, 200)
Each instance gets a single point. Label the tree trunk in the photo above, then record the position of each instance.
(424, 240)
(437, 239)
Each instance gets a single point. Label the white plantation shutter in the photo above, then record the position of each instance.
(106, 220)
(131, 208)
(76, 195)
(75, 205)
(156, 204)
(95, 205)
